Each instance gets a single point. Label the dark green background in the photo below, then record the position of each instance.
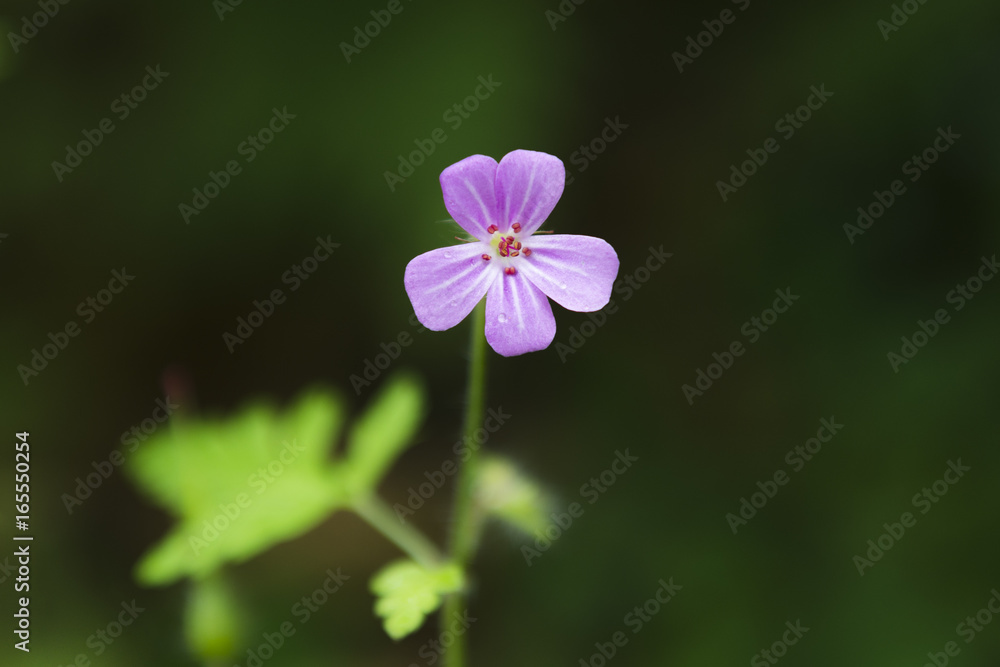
(655, 185)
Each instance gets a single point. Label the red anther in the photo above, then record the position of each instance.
(514, 254)
(516, 227)
(517, 245)
(486, 257)
(527, 252)
(491, 229)
(510, 271)
(510, 239)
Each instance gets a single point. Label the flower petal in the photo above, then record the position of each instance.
(528, 185)
(518, 316)
(444, 285)
(577, 272)
(470, 194)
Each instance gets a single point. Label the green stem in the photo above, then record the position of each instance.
(465, 531)
(375, 511)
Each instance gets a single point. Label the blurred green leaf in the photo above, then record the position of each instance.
(408, 592)
(240, 486)
(506, 494)
(383, 432)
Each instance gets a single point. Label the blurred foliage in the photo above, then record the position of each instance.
(507, 494)
(380, 435)
(655, 184)
(238, 487)
(407, 592)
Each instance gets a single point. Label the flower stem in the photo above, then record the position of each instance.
(465, 529)
(375, 511)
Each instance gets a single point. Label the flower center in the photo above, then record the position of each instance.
(506, 247)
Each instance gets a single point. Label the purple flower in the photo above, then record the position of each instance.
(502, 205)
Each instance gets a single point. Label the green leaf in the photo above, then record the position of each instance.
(383, 432)
(239, 486)
(408, 592)
(510, 496)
